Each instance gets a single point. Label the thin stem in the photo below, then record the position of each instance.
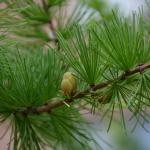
(45, 6)
(51, 21)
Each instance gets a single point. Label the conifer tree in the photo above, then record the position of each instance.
(54, 63)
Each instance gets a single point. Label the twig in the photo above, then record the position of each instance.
(53, 105)
(45, 6)
(51, 23)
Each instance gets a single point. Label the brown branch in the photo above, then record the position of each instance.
(53, 105)
(140, 68)
(45, 6)
(51, 23)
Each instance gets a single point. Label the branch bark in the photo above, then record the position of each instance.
(45, 6)
(53, 105)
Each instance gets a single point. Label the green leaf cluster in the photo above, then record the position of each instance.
(99, 52)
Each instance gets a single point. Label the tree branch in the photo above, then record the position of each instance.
(45, 6)
(53, 105)
(51, 21)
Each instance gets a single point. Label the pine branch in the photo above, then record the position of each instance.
(53, 105)
(129, 72)
(51, 21)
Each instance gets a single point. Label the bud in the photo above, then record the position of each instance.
(69, 84)
(67, 75)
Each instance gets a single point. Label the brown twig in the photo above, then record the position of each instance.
(51, 23)
(45, 6)
(53, 105)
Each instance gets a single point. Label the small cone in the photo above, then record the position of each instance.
(69, 84)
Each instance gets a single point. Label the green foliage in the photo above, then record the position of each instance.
(55, 2)
(101, 55)
(33, 13)
(31, 80)
(56, 131)
(124, 43)
(83, 55)
(27, 21)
